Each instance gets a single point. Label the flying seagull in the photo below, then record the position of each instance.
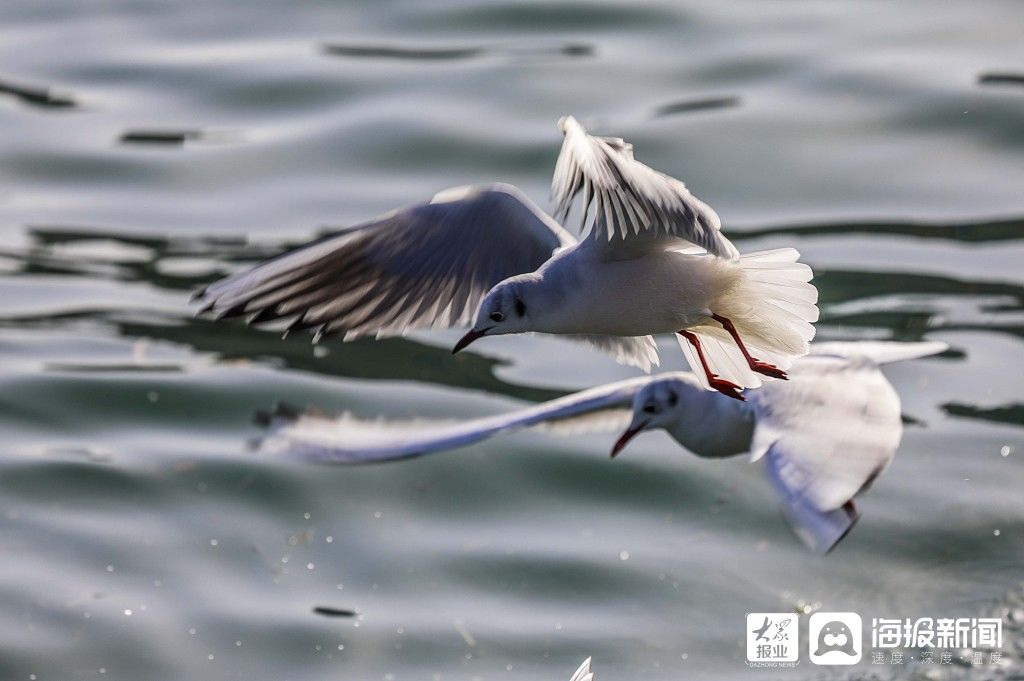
(825, 434)
(652, 260)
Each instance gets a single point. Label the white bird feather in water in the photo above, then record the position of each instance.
(652, 260)
(824, 435)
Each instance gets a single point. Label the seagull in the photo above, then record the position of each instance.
(825, 435)
(652, 260)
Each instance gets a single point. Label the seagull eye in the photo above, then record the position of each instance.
(497, 317)
(650, 408)
(520, 307)
(672, 399)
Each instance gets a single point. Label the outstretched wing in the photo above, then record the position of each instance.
(631, 201)
(427, 265)
(831, 429)
(347, 439)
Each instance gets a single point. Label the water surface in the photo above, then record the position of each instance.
(150, 147)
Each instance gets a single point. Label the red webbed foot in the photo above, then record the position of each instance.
(727, 388)
(768, 369)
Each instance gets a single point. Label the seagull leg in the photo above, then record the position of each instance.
(727, 388)
(754, 363)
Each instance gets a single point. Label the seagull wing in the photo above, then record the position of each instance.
(427, 265)
(829, 430)
(819, 530)
(632, 203)
(347, 439)
(583, 673)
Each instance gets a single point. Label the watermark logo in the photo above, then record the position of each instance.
(772, 639)
(937, 640)
(835, 638)
(942, 632)
(838, 638)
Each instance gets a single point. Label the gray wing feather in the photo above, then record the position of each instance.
(427, 265)
(631, 201)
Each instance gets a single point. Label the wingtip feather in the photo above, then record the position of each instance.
(583, 673)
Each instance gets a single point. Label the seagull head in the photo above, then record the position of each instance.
(705, 422)
(657, 405)
(505, 309)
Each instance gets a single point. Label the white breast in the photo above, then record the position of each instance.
(662, 292)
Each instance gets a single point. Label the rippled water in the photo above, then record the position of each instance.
(149, 147)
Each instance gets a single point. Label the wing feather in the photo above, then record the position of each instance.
(583, 673)
(625, 199)
(347, 439)
(427, 265)
(637, 351)
(832, 428)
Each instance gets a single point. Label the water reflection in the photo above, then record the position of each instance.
(967, 232)
(1009, 414)
(35, 95)
(1001, 79)
(435, 53)
(171, 137)
(691, 105)
(396, 52)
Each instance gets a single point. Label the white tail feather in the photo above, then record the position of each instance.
(773, 308)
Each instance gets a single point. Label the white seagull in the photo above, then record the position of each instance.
(825, 434)
(653, 260)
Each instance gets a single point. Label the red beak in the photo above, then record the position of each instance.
(626, 436)
(469, 338)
